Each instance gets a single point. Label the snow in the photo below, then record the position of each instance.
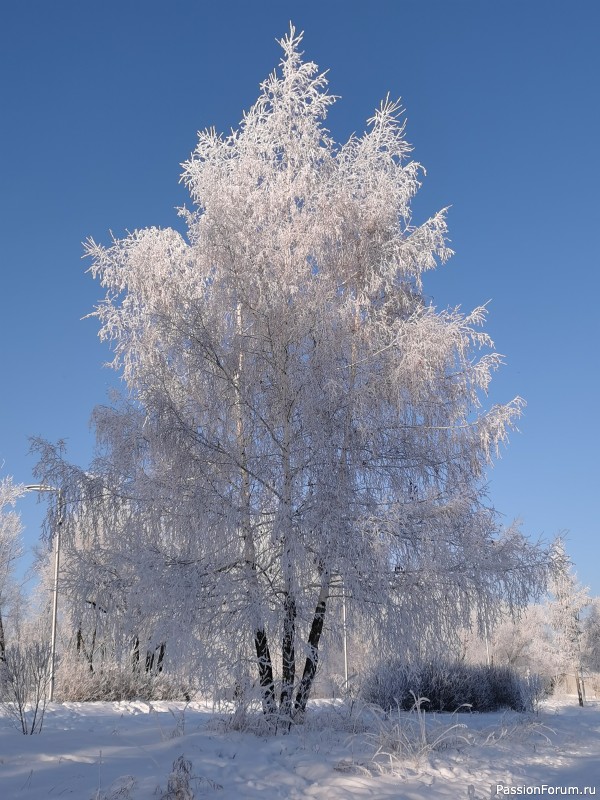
(125, 751)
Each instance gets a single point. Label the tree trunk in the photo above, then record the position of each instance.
(312, 659)
(161, 655)
(2, 642)
(288, 644)
(263, 655)
(579, 685)
(81, 648)
(265, 672)
(289, 657)
(135, 655)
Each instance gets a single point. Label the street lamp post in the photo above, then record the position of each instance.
(345, 635)
(338, 581)
(40, 487)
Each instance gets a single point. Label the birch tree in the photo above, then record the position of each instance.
(123, 599)
(299, 415)
(10, 531)
(591, 636)
(569, 600)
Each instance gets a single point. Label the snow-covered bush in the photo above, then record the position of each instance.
(178, 787)
(113, 682)
(24, 683)
(446, 686)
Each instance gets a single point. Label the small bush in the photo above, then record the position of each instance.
(24, 682)
(447, 686)
(179, 785)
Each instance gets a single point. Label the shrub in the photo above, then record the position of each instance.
(24, 681)
(112, 682)
(447, 686)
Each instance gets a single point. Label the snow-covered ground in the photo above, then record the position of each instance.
(125, 751)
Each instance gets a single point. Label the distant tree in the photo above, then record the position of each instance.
(569, 600)
(524, 642)
(10, 548)
(299, 415)
(590, 647)
(128, 595)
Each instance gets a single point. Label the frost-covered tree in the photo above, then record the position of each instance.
(524, 643)
(132, 587)
(569, 600)
(591, 636)
(117, 607)
(299, 415)
(10, 548)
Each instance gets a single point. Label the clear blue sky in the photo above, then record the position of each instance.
(100, 102)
